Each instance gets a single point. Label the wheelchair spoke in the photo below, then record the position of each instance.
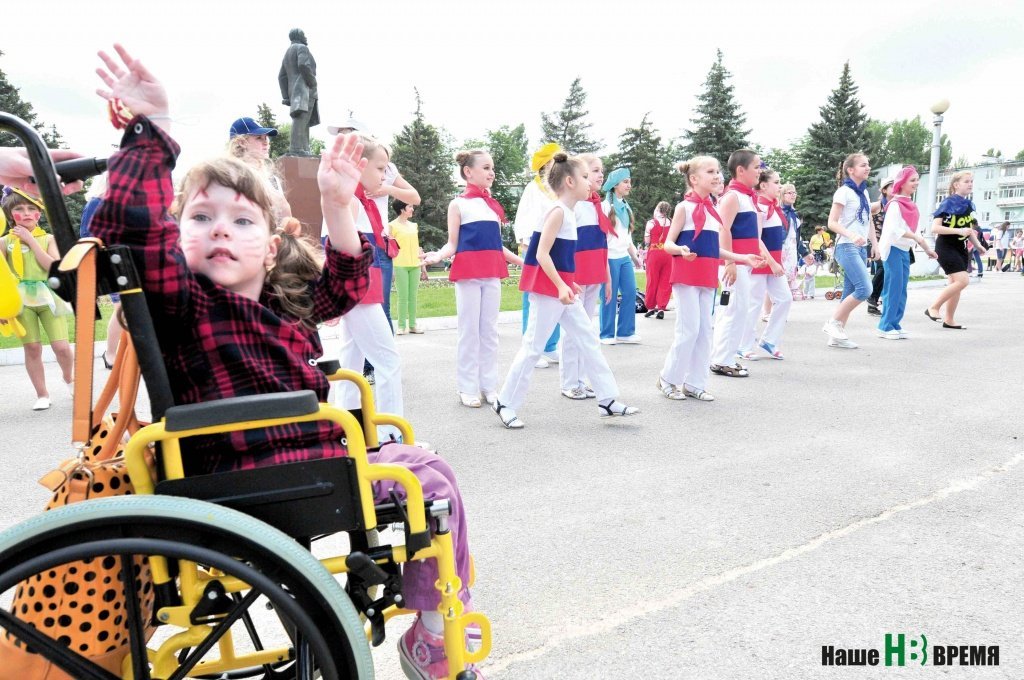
(77, 666)
(216, 634)
(136, 626)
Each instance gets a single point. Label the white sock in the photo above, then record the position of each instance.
(433, 622)
(605, 402)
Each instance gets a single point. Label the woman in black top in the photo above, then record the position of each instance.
(954, 225)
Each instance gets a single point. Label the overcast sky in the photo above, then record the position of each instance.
(482, 64)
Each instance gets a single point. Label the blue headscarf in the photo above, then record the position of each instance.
(864, 211)
(622, 209)
(955, 205)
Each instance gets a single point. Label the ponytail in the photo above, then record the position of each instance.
(297, 264)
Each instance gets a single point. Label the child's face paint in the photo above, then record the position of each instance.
(26, 216)
(226, 237)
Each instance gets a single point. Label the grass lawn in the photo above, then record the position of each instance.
(434, 299)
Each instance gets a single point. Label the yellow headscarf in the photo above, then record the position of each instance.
(17, 257)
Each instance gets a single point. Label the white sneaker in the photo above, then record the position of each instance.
(552, 357)
(888, 335)
(542, 363)
(575, 394)
(903, 334)
(609, 341)
(42, 403)
(630, 339)
(845, 344)
(472, 401)
(834, 330)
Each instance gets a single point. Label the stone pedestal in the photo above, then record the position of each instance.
(299, 175)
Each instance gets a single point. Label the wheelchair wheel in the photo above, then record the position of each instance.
(306, 613)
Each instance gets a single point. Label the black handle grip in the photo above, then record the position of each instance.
(80, 168)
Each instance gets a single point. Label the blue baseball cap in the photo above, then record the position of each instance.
(248, 126)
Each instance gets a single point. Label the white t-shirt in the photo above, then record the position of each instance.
(534, 205)
(618, 245)
(894, 232)
(1004, 241)
(848, 198)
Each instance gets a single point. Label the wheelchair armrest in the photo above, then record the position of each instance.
(328, 366)
(241, 409)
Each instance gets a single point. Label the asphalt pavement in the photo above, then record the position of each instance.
(828, 499)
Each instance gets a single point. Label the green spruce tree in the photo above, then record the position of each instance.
(650, 166)
(567, 126)
(11, 102)
(718, 122)
(842, 130)
(426, 162)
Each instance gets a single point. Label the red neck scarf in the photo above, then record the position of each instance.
(773, 207)
(602, 218)
(702, 208)
(373, 214)
(911, 215)
(741, 188)
(473, 191)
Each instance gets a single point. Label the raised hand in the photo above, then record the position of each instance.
(341, 166)
(132, 83)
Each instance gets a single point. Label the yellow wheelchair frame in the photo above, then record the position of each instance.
(193, 580)
(190, 580)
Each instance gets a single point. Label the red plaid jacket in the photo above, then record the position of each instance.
(215, 343)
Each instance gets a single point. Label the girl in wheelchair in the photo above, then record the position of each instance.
(235, 302)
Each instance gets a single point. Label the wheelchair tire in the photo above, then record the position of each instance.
(304, 595)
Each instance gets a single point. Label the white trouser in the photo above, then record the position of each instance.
(777, 288)
(730, 319)
(365, 334)
(545, 312)
(688, 361)
(570, 364)
(476, 351)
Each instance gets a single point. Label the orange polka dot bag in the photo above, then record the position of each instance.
(80, 604)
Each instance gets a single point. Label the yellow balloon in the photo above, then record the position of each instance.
(10, 301)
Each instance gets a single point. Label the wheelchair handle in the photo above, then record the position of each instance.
(46, 179)
(80, 169)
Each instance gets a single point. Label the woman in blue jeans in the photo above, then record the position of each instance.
(619, 325)
(850, 219)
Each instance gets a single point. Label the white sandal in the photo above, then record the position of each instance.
(669, 390)
(699, 395)
(510, 420)
(469, 400)
(615, 408)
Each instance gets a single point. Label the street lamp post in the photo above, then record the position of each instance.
(938, 109)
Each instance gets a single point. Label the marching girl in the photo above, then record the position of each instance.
(592, 273)
(658, 263)
(850, 219)
(534, 204)
(548, 276)
(954, 225)
(899, 233)
(474, 238)
(30, 251)
(365, 332)
(769, 279)
(620, 326)
(739, 235)
(693, 243)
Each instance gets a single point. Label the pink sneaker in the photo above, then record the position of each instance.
(422, 654)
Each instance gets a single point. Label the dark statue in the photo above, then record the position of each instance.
(298, 90)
